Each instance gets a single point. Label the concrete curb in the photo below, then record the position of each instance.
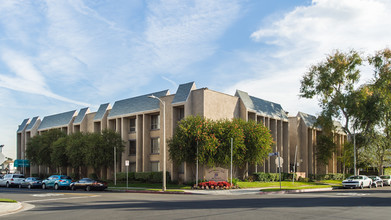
(297, 191)
(7, 208)
(149, 191)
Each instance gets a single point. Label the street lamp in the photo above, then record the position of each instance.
(164, 140)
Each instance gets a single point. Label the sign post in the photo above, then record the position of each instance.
(127, 172)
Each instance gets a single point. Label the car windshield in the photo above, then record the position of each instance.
(18, 176)
(355, 177)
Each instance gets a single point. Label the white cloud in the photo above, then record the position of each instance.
(26, 77)
(304, 36)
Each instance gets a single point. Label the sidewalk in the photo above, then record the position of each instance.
(8, 207)
(247, 191)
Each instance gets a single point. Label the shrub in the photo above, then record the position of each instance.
(301, 179)
(93, 176)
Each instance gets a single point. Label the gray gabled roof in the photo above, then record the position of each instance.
(58, 120)
(309, 120)
(32, 123)
(23, 125)
(183, 92)
(82, 113)
(136, 104)
(101, 111)
(261, 106)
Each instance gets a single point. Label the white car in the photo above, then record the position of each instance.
(386, 180)
(11, 180)
(357, 181)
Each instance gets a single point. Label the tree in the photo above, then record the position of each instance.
(252, 142)
(110, 141)
(325, 147)
(376, 107)
(333, 82)
(75, 152)
(40, 147)
(58, 155)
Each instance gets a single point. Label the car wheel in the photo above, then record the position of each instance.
(381, 185)
(56, 186)
(73, 188)
(370, 185)
(375, 185)
(44, 186)
(362, 186)
(29, 186)
(88, 188)
(7, 185)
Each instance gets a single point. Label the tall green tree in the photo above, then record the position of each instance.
(74, 151)
(333, 82)
(376, 107)
(252, 142)
(58, 155)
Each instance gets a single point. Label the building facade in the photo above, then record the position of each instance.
(139, 121)
(303, 133)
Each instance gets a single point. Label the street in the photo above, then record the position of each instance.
(337, 204)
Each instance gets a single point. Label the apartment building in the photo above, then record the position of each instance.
(139, 121)
(303, 133)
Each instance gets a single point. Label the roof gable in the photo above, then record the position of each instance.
(101, 111)
(23, 125)
(136, 104)
(82, 113)
(183, 92)
(261, 106)
(58, 120)
(32, 123)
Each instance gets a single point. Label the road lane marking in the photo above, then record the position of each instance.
(54, 199)
(47, 195)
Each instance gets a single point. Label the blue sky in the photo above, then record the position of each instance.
(57, 56)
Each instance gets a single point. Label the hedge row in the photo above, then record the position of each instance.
(271, 177)
(146, 177)
(330, 176)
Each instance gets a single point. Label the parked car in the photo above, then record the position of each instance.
(89, 184)
(31, 182)
(386, 180)
(10, 180)
(376, 181)
(57, 182)
(357, 181)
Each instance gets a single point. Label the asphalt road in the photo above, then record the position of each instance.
(339, 204)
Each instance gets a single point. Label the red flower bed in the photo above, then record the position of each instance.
(214, 184)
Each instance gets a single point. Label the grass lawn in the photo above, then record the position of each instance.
(7, 200)
(286, 185)
(143, 186)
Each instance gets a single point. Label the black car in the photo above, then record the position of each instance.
(89, 184)
(376, 181)
(31, 182)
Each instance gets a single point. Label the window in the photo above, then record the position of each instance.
(155, 145)
(132, 125)
(182, 168)
(181, 113)
(155, 122)
(155, 166)
(132, 147)
(132, 167)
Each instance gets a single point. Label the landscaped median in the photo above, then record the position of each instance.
(286, 186)
(7, 200)
(290, 186)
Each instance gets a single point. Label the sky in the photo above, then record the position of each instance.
(58, 56)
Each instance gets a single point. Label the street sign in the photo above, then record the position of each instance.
(281, 161)
(273, 154)
(127, 163)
